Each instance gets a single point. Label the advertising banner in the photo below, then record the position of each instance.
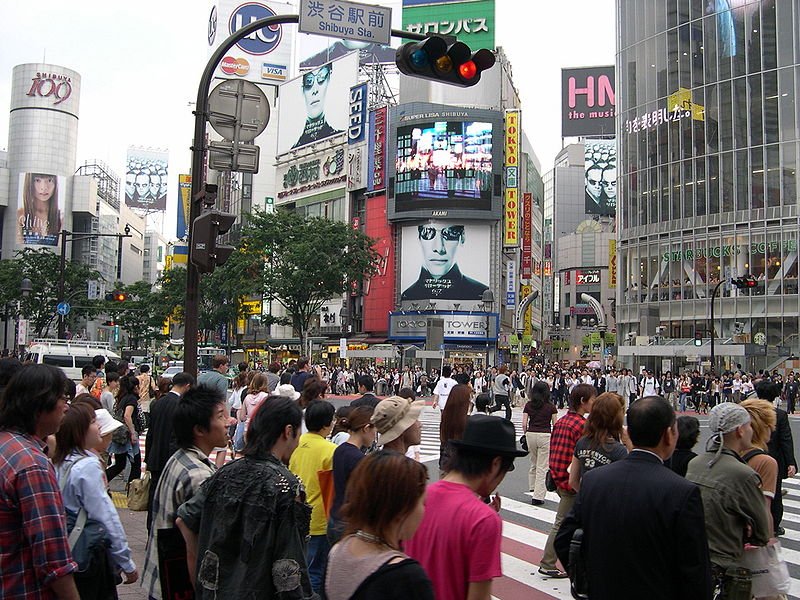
(587, 277)
(588, 105)
(526, 259)
(526, 291)
(146, 179)
(612, 263)
(511, 284)
(357, 114)
(40, 209)
(184, 205)
(306, 177)
(457, 326)
(379, 289)
(444, 260)
(511, 203)
(471, 22)
(601, 177)
(265, 55)
(376, 172)
(444, 159)
(356, 167)
(315, 105)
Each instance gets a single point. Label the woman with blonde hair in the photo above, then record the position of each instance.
(763, 420)
(601, 443)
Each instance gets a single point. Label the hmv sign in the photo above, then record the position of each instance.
(588, 106)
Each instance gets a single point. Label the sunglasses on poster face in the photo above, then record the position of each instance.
(321, 75)
(449, 234)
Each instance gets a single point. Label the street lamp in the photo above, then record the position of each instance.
(63, 264)
(487, 298)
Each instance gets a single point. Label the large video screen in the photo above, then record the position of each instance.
(443, 162)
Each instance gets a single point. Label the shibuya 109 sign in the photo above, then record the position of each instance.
(51, 85)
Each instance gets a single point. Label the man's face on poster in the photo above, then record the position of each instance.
(439, 243)
(143, 185)
(609, 181)
(594, 183)
(130, 184)
(315, 88)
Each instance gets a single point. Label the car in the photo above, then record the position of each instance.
(170, 372)
(69, 356)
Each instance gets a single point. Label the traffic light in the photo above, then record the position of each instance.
(438, 60)
(746, 282)
(206, 253)
(698, 338)
(116, 296)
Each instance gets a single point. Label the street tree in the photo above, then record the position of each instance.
(41, 266)
(135, 315)
(304, 262)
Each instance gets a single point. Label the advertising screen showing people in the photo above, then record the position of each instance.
(601, 177)
(146, 179)
(444, 260)
(314, 106)
(444, 160)
(40, 209)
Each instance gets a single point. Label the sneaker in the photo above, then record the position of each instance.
(779, 531)
(537, 502)
(553, 573)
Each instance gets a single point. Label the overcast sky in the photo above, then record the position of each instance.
(140, 63)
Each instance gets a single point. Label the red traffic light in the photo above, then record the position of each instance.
(442, 61)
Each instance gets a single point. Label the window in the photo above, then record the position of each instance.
(57, 360)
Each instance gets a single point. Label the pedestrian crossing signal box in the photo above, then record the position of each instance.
(698, 339)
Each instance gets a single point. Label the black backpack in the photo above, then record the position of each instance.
(752, 454)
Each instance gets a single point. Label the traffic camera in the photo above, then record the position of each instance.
(746, 282)
(206, 254)
(438, 60)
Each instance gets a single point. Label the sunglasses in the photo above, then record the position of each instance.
(322, 75)
(449, 234)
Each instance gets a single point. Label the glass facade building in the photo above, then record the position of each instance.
(708, 128)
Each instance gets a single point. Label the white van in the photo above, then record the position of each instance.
(69, 356)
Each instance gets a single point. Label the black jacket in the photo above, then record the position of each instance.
(160, 442)
(452, 286)
(634, 508)
(781, 445)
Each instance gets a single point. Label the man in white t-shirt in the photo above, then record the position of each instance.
(443, 387)
(649, 386)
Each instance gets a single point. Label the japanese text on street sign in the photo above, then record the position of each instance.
(348, 20)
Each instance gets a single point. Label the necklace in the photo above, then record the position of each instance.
(372, 539)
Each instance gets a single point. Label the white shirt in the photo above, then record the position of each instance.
(442, 390)
(649, 387)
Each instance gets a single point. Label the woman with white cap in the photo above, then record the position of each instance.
(397, 422)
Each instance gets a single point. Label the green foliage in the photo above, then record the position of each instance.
(138, 315)
(303, 262)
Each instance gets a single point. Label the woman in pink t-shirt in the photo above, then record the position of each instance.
(256, 394)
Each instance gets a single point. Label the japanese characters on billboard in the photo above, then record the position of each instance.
(379, 289)
(265, 55)
(601, 177)
(184, 205)
(444, 160)
(471, 22)
(587, 277)
(315, 105)
(376, 169)
(511, 202)
(526, 260)
(40, 209)
(588, 105)
(444, 259)
(612, 263)
(146, 179)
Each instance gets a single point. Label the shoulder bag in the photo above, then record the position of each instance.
(138, 492)
(86, 536)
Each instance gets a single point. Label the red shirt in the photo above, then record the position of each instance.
(458, 541)
(34, 551)
(566, 433)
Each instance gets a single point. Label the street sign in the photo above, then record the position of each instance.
(346, 20)
(93, 292)
(238, 110)
(63, 308)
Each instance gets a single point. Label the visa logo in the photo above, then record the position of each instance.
(270, 71)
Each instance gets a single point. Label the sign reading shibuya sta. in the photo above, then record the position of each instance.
(728, 250)
(472, 22)
(346, 20)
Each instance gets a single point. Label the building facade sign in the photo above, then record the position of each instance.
(313, 175)
(357, 115)
(472, 22)
(511, 283)
(612, 263)
(587, 277)
(526, 259)
(376, 175)
(728, 250)
(588, 101)
(511, 203)
(457, 326)
(53, 86)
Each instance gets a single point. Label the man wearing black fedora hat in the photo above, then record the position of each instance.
(457, 517)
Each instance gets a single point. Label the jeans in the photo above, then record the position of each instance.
(565, 504)
(501, 401)
(684, 395)
(539, 452)
(317, 558)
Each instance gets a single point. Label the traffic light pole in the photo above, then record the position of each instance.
(192, 308)
(713, 296)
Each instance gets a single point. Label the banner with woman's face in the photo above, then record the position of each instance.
(40, 209)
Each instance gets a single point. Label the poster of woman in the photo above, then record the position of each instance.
(41, 206)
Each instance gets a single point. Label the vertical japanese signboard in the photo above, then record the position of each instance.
(376, 174)
(184, 204)
(511, 203)
(511, 284)
(527, 227)
(612, 263)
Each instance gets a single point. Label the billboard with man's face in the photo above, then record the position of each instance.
(601, 177)
(315, 106)
(146, 179)
(444, 260)
(40, 210)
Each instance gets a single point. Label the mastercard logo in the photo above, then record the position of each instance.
(234, 66)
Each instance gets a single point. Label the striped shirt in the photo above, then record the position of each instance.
(181, 478)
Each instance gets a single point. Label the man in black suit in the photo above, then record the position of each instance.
(781, 448)
(366, 385)
(637, 512)
(160, 442)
